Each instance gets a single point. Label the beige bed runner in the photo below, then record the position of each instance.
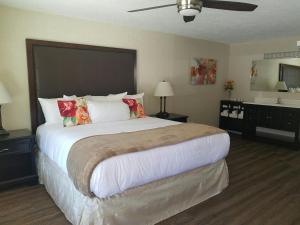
(87, 153)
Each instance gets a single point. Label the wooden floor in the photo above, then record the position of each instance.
(264, 190)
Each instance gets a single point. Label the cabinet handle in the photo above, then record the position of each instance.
(4, 150)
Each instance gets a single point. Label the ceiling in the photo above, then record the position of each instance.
(273, 18)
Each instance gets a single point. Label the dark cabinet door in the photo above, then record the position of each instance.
(289, 120)
(250, 117)
(269, 117)
(263, 117)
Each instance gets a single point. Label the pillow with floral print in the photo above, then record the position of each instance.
(74, 112)
(136, 107)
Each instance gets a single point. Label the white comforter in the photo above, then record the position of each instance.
(122, 172)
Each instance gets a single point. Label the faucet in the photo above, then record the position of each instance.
(279, 100)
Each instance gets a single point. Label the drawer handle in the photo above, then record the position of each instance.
(4, 150)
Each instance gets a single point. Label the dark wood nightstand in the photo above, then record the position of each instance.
(17, 161)
(175, 117)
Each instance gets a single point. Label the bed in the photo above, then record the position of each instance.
(134, 188)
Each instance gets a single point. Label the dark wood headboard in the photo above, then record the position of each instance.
(56, 68)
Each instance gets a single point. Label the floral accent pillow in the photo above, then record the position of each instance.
(74, 112)
(136, 107)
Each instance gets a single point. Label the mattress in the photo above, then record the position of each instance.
(120, 173)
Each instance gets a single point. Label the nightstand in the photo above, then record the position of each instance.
(175, 117)
(17, 161)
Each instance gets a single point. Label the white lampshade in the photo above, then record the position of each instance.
(4, 95)
(281, 86)
(164, 89)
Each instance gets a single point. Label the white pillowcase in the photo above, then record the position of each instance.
(50, 110)
(71, 97)
(111, 97)
(108, 111)
(141, 96)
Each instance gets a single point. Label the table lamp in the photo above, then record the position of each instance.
(4, 99)
(163, 90)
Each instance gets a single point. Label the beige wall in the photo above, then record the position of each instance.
(160, 56)
(240, 62)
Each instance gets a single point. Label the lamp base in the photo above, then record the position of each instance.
(3, 132)
(162, 115)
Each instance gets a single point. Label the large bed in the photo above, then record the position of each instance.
(136, 188)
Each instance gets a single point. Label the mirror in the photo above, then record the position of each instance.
(266, 73)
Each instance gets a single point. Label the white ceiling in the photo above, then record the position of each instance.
(273, 18)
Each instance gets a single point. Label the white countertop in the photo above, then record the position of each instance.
(273, 104)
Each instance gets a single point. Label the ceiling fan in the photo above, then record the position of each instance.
(191, 8)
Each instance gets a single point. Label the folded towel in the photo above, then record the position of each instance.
(224, 113)
(241, 115)
(234, 114)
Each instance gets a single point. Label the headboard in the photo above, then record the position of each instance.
(56, 68)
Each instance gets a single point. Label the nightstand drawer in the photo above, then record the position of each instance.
(180, 119)
(15, 166)
(17, 159)
(20, 146)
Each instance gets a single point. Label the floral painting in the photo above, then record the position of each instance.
(203, 71)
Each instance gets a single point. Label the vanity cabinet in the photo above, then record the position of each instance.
(272, 122)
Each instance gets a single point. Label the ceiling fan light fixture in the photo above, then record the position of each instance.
(189, 7)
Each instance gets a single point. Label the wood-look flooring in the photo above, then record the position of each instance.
(264, 190)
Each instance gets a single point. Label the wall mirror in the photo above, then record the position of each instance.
(275, 75)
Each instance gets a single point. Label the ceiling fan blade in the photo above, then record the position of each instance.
(226, 5)
(188, 18)
(150, 8)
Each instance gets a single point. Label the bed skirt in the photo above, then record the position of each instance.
(147, 204)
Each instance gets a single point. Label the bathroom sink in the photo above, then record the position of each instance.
(261, 100)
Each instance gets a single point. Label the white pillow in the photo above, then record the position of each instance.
(141, 96)
(108, 98)
(117, 96)
(50, 110)
(108, 111)
(71, 97)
